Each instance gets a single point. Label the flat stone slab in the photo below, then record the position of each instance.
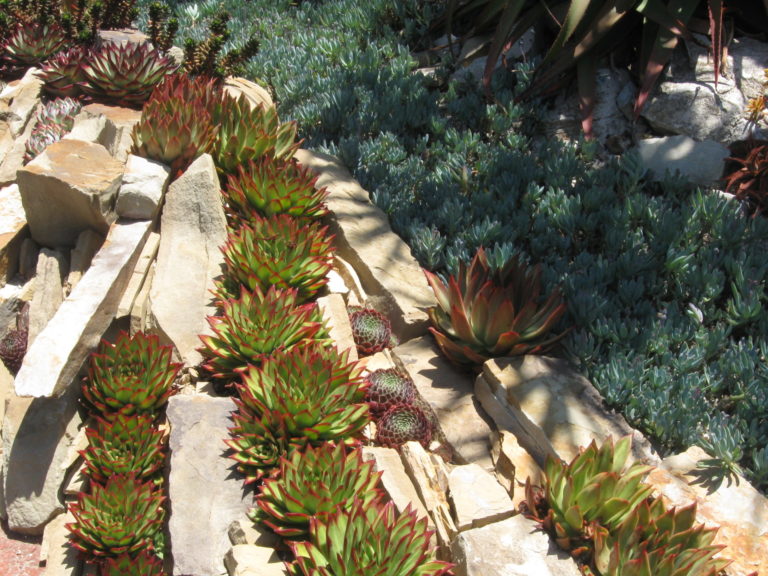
(12, 222)
(557, 408)
(735, 506)
(394, 479)
(700, 162)
(449, 393)
(477, 497)
(206, 493)
(394, 281)
(54, 359)
(513, 547)
(142, 188)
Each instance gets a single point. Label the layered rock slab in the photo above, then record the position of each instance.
(54, 359)
(394, 281)
(12, 222)
(193, 227)
(206, 494)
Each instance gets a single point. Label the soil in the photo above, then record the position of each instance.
(19, 554)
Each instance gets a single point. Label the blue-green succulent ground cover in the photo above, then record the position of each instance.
(665, 283)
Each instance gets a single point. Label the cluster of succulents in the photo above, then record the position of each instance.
(598, 508)
(31, 45)
(54, 120)
(62, 73)
(118, 522)
(371, 330)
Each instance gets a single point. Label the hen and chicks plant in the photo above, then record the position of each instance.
(371, 330)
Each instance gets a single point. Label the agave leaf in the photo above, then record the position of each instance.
(576, 11)
(621, 451)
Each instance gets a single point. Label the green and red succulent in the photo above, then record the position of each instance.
(143, 563)
(489, 312)
(314, 483)
(30, 45)
(403, 423)
(13, 347)
(388, 387)
(256, 326)
(133, 375)
(62, 73)
(371, 330)
(366, 540)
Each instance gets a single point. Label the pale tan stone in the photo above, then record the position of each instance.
(739, 510)
(514, 465)
(395, 480)
(256, 95)
(12, 223)
(141, 312)
(245, 531)
(392, 278)
(23, 99)
(477, 497)
(60, 557)
(356, 295)
(13, 160)
(334, 312)
(88, 243)
(52, 266)
(139, 276)
(249, 560)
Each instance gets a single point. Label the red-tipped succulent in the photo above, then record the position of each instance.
(387, 387)
(371, 330)
(403, 423)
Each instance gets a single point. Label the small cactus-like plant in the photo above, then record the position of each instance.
(403, 423)
(125, 75)
(133, 375)
(313, 483)
(371, 330)
(206, 58)
(387, 387)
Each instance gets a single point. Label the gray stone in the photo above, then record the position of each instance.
(203, 487)
(23, 98)
(749, 58)
(514, 465)
(52, 266)
(249, 560)
(700, 162)
(54, 359)
(88, 244)
(139, 276)
(141, 193)
(449, 393)
(394, 281)
(477, 498)
(557, 408)
(734, 505)
(513, 547)
(69, 188)
(37, 436)
(28, 255)
(121, 37)
(12, 222)
(193, 228)
(337, 320)
(60, 557)
(245, 531)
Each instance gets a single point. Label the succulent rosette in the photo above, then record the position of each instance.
(486, 313)
(31, 44)
(313, 483)
(62, 72)
(133, 375)
(257, 325)
(279, 251)
(125, 515)
(366, 540)
(142, 563)
(124, 444)
(176, 125)
(371, 330)
(403, 423)
(249, 132)
(125, 74)
(311, 394)
(269, 186)
(388, 387)
(13, 347)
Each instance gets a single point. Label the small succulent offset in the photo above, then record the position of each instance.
(314, 483)
(269, 186)
(279, 251)
(55, 119)
(125, 515)
(144, 563)
(256, 326)
(126, 74)
(310, 395)
(371, 330)
(387, 387)
(489, 312)
(176, 125)
(13, 346)
(133, 375)
(366, 540)
(403, 423)
(124, 444)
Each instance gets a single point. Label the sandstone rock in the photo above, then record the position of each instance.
(69, 188)
(395, 480)
(356, 295)
(52, 266)
(389, 274)
(141, 315)
(477, 497)
(13, 160)
(249, 560)
(12, 222)
(337, 320)
(28, 255)
(513, 547)
(449, 393)
(193, 228)
(121, 37)
(255, 94)
(60, 557)
(244, 531)
(23, 98)
(88, 243)
(555, 406)
(514, 466)
(110, 126)
(37, 435)
(735, 506)
(700, 162)
(205, 493)
(139, 276)
(54, 359)
(141, 193)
